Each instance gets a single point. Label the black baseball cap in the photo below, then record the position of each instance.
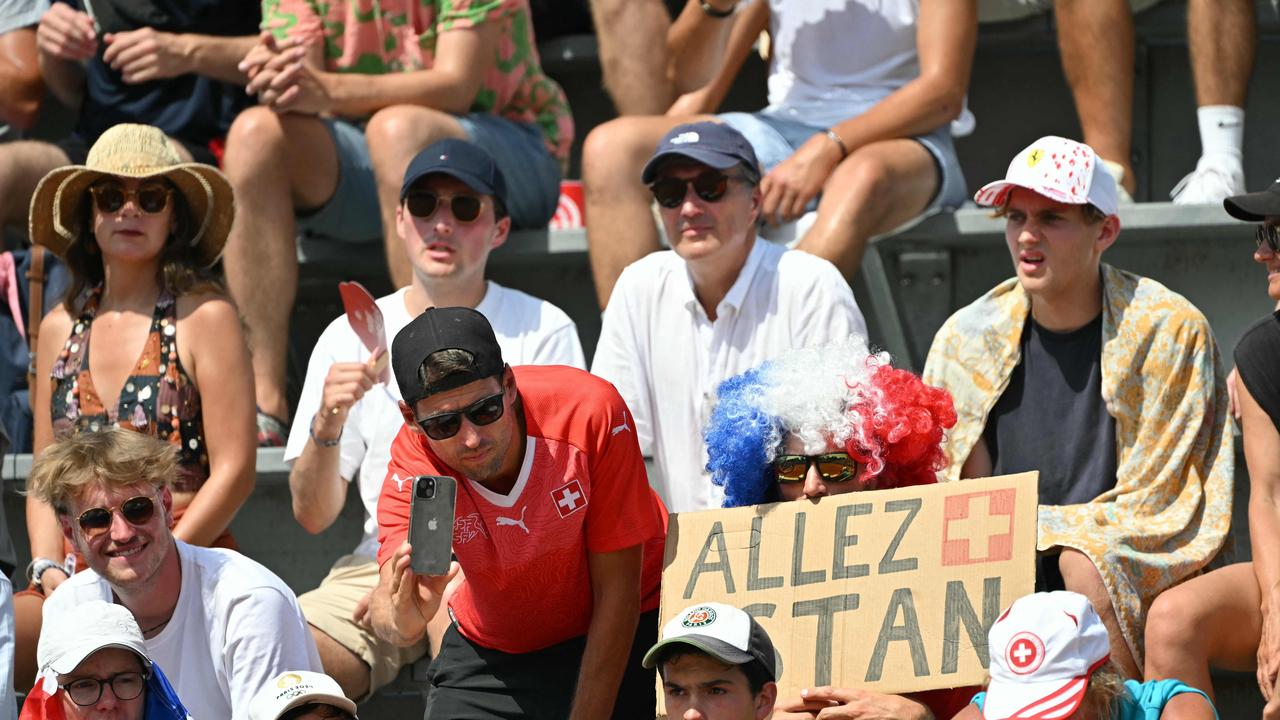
(722, 631)
(465, 161)
(1255, 207)
(710, 143)
(436, 329)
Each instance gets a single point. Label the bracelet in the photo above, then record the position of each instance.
(324, 443)
(711, 11)
(844, 150)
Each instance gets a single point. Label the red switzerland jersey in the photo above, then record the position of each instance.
(582, 488)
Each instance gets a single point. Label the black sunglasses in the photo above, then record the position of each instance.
(109, 197)
(424, 203)
(125, 686)
(136, 511)
(710, 186)
(484, 411)
(833, 467)
(1270, 236)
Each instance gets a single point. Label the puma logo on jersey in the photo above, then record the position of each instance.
(506, 521)
(621, 427)
(395, 478)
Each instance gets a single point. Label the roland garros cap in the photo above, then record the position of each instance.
(721, 631)
(436, 329)
(1044, 649)
(1255, 207)
(1059, 169)
(289, 690)
(67, 639)
(711, 143)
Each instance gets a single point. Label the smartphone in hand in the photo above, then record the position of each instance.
(431, 524)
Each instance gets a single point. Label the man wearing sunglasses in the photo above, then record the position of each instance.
(452, 213)
(219, 623)
(719, 302)
(556, 531)
(1107, 383)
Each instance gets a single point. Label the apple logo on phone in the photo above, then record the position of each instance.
(432, 525)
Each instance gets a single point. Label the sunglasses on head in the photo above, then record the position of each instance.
(136, 511)
(1269, 235)
(833, 467)
(484, 411)
(710, 186)
(87, 691)
(424, 203)
(152, 198)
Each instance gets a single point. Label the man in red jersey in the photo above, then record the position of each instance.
(557, 532)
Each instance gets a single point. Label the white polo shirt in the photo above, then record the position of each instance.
(666, 358)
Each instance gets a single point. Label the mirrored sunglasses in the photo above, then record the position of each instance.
(424, 203)
(136, 511)
(484, 411)
(833, 467)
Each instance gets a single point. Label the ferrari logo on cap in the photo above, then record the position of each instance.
(1034, 157)
(698, 617)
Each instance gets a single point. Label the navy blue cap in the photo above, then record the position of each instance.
(465, 161)
(710, 143)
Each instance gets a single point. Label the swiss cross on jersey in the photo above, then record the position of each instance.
(569, 498)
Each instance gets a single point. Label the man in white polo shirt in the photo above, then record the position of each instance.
(719, 302)
(452, 213)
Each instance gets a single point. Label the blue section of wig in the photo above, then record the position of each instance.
(739, 438)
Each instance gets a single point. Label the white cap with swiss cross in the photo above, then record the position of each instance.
(1059, 169)
(1044, 649)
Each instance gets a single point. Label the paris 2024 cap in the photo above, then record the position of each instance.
(443, 328)
(1059, 169)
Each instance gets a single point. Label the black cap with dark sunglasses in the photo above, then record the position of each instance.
(436, 329)
(714, 144)
(459, 159)
(1255, 207)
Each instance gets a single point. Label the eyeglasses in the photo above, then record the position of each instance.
(484, 411)
(424, 203)
(1270, 236)
(833, 467)
(150, 199)
(125, 686)
(709, 186)
(136, 511)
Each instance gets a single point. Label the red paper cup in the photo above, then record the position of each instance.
(571, 210)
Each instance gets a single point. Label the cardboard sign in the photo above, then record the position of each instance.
(890, 590)
(366, 320)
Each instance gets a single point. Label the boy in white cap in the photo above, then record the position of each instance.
(1050, 658)
(1107, 383)
(716, 663)
(302, 695)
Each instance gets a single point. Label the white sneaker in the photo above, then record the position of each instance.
(1117, 171)
(1215, 178)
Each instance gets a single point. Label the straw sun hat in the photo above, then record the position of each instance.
(133, 151)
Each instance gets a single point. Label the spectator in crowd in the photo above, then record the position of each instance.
(343, 111)
(141, 231)
(1096, 39)
(865, 134)
(302, 695)
(545, 458)
(720, 302)
(167, 64)
(1071, 347)
(96, 665)
(1228, 618)
(827, 421)
(452, 213)
(716, 662)
(1049, 658)
(21, 86)
(221, 623)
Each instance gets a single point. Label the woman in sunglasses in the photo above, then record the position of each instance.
(145, 338)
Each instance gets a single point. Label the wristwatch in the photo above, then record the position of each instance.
(37, 568)
(711, 10)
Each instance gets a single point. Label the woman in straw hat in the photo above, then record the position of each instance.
(140, 231)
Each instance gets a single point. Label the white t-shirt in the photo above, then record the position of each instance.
(529, 331)
(236, 626)
(667, 359)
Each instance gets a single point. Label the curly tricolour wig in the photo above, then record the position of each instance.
(887, 419)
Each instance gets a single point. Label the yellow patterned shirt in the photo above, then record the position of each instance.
(1162, 381)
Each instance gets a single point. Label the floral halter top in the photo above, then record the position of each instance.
(158, 398)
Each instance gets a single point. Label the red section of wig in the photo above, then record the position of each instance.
(904, 419)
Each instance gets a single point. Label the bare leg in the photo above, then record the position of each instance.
(22, 164)
(27, 619)
(620, 227)
(351, 672)
(275, 163)
(1096, 41)
(1222, 37)
(1080, 575)
(877, 188)
(634, 65)
(395, 135)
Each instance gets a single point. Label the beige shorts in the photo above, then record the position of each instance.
(329, 609)
(1002, 10)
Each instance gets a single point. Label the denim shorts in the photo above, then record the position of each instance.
(531, 172)
(775, 139)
